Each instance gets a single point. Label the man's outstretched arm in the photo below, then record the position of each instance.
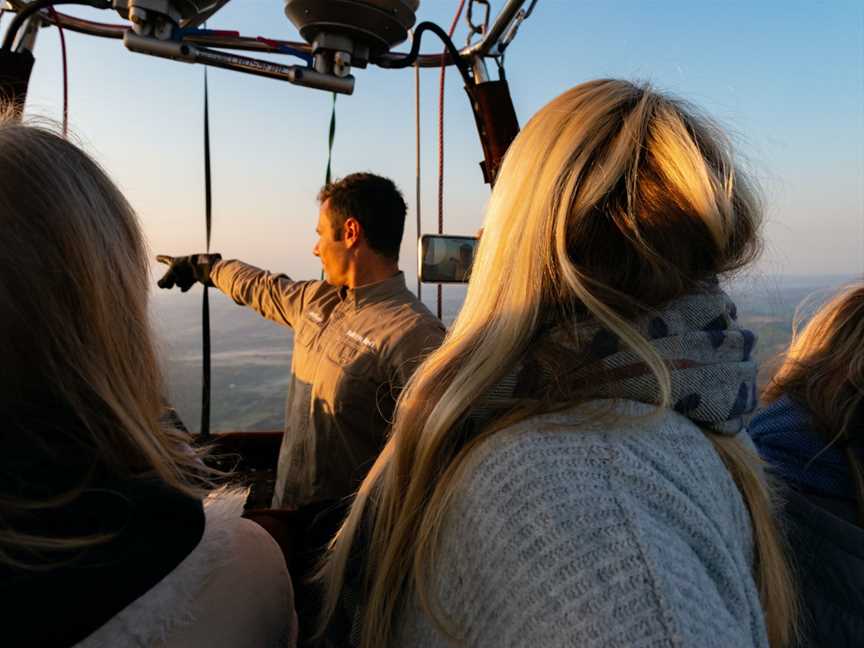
(274, 296)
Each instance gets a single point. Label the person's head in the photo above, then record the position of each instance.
(361, 221)
(612, 200)
(823, 370)
(74, 329)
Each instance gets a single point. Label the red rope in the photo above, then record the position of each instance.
(441, 121)
(441, 135)
(65, 72)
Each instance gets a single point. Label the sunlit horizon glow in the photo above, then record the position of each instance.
(785, 79)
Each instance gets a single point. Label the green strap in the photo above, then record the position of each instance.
(327, 175)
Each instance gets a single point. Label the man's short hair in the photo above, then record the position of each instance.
(377, 205)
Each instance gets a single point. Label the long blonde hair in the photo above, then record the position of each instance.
(823, 370)
(613, 198)
(74, 324)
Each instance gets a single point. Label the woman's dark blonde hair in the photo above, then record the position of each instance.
(74, 323)
(612, 199)
(823, 371)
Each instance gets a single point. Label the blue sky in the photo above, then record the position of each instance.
(786, 78)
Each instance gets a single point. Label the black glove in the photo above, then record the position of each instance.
(185, 271)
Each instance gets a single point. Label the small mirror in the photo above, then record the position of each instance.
(446, 259)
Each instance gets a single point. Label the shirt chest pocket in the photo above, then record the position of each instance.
(353, 359)
(307, 332)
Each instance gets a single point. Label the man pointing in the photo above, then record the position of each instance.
(357, 336)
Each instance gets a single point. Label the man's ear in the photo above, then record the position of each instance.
(352, 232)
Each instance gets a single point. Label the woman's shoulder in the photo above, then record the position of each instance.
(247, 598)
(647, 463)
(233, 589)
(601, 433)
(628, 509)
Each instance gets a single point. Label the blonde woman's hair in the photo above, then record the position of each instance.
(823, 370)
(612, 199)
(74, 325)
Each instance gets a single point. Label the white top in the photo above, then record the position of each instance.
(233, 591)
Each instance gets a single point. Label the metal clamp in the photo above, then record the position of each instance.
(510, 34)
(476, 29)
(488, 46)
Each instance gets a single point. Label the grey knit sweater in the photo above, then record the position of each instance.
(565, 532)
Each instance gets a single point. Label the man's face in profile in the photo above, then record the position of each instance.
(330, 248)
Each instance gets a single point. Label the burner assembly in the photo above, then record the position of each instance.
(345, 33)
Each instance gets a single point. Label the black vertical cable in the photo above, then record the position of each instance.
(328, 176)
(332, 136)
(205, 305)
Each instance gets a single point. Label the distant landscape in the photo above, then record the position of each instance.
(251, 357)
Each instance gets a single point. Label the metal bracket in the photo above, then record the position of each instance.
(26, 38)
(180, 51)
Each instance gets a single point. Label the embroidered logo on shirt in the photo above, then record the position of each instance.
(315, 317)
(365, 341)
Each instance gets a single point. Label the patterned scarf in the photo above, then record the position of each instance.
(709, 357)
(713, 384)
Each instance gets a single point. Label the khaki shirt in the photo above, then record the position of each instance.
(353, 351)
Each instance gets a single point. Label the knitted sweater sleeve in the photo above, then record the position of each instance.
(545, 546)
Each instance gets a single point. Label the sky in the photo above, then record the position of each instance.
(786, 79)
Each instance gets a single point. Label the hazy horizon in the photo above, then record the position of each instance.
(251, 357)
